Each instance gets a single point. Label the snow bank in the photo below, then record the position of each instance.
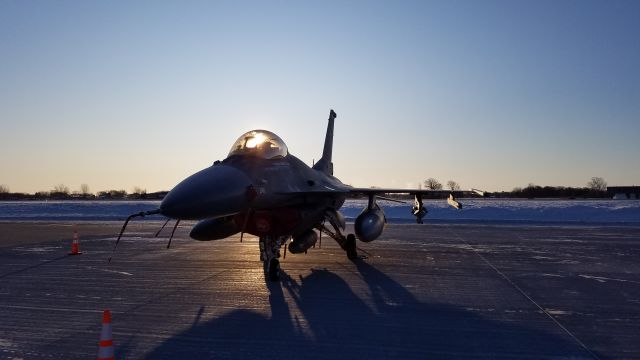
(474, 210)
(507, 210)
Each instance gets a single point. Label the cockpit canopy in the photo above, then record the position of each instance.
(260, 143)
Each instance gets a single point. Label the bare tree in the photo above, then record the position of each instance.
(138, 190)
(452, 185)
(61, 188)
(432, 184)
(138, 193)
(4, 189)
(84, 189)
(597, 183)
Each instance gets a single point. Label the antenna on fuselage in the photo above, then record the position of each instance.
(324, 164)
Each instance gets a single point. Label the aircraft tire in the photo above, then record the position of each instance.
(274, 270)
(350, 247)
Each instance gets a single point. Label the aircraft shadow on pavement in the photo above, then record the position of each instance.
(331, 321)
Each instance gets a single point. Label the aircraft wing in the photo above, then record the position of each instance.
(382, 191)
(418, 210)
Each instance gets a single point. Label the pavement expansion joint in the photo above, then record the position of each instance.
(519, 289)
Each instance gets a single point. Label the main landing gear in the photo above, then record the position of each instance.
(348, 243)
(270, 249)
(350, 247)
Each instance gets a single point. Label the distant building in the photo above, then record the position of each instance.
(624, 192)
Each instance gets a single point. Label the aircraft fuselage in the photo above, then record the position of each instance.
(276, 197)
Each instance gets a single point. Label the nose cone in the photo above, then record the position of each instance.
(216, 191)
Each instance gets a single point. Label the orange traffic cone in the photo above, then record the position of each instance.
(75, 245)
(105, 351)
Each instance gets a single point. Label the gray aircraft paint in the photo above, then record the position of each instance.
(262, 189)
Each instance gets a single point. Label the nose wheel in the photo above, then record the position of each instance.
(274, 270)
(269, 254)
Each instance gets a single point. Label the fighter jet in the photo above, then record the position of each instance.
(263, 190)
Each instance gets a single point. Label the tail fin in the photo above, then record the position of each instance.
(324, 164)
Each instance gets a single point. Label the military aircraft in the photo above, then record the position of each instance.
(263, 190)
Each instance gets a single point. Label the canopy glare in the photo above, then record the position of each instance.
(260, 143)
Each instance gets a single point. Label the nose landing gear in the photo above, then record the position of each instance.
(269, 254)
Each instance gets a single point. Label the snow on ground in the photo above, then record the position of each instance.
(511, 210)
(474, 210)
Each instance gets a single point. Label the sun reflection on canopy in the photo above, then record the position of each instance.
(256, 140)
(260, 143)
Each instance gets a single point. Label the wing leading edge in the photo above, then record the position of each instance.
(381, 191)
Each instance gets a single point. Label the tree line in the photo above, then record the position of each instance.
(62, 192)
(595, 188)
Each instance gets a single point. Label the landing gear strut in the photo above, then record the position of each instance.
(269, 254)
(350, 247)
(347, 243)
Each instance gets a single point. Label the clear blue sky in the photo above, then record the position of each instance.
(492, 94)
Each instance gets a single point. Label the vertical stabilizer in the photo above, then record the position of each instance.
(324, 164)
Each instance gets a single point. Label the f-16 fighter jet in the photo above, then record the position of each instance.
(263, 190)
